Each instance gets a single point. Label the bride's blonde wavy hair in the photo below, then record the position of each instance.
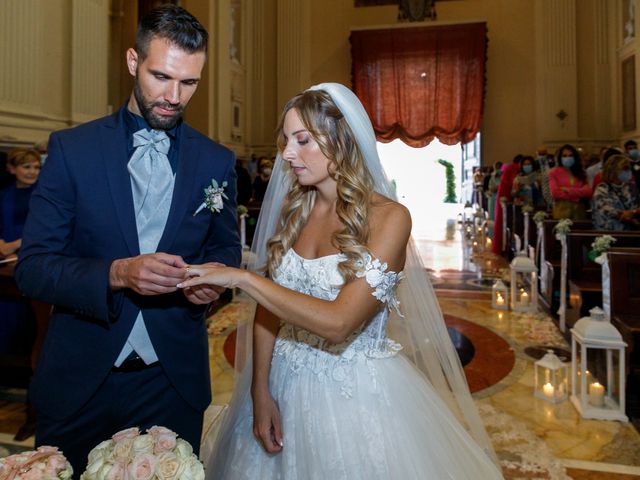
(328, 127)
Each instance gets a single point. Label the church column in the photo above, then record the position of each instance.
(89, 59)
(293, 64)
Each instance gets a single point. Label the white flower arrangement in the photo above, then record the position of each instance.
(602, 243)
(563, 226)
(539, 217)
(213, 196)
(527, 209)
(156, 455)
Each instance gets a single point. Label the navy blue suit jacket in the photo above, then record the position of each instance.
(81, 219)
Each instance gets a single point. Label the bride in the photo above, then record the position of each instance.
(326, 393)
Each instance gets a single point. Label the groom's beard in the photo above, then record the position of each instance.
(157, 122)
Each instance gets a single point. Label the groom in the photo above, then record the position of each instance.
(110, 232)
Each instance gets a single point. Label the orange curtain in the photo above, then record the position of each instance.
(421, 83)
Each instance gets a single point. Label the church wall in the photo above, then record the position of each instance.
(543, 57)
(54, 66)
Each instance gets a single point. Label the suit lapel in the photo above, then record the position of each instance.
(185, 184)
(114, 152)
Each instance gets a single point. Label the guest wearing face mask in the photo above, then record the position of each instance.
(568, 184)
(615, 200)
(526, 185)
(631, 149)
(261, 181)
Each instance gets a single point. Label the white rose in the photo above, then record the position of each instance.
(100, 451)
(193, 469)
(143, 444)
(122, 450)
(183, 449)
(169, 466)
(93, 468)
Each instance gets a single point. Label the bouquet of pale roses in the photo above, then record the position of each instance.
(45, 463)
(156, 455)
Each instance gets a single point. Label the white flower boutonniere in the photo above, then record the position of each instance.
(213, 196)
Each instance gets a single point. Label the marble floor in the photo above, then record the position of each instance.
(533, 438)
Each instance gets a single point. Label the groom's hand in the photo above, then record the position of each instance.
(149, 274)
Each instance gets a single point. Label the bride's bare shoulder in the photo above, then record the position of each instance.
(388, 217)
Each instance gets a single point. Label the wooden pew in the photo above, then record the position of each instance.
(550, 293)
(624, 266)
(584, 276)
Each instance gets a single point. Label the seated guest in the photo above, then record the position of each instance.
(615, 200)
(568, 184)
(526, 185)
(608, 153)
(24, 165)
(631, 149)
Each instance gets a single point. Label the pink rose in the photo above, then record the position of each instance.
(47, 449)
(165, 439)
(128, 433)
(117, 472)
(57, 462)
(142, 467)
(33, 474)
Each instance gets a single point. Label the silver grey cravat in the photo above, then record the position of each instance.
(152, 186)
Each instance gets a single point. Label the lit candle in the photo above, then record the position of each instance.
(488, 243)
(548, 390)
(500, 300)
(596, 394)
(524, 298)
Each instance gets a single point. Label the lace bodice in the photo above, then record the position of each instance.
(321, 278)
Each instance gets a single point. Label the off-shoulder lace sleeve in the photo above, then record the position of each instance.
(384, 283)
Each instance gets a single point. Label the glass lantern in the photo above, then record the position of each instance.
(597, 347)
(500, 296)
(524, 284)
(551, 377)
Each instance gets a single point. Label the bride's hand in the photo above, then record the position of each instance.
(267, 427)
(211, 274)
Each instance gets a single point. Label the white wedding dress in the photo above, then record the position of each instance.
(357, 410)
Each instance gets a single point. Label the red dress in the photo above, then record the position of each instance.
(509, 173)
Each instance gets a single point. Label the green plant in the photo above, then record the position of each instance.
(450, 196)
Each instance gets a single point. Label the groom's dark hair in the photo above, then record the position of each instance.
(176, 25)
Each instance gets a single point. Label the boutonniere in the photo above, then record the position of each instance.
(213, 196)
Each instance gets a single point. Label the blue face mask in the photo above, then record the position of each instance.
(568, 162)
(633, 153)
(542, 158)
(527, 168)
(624, 176)
(498, 173)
